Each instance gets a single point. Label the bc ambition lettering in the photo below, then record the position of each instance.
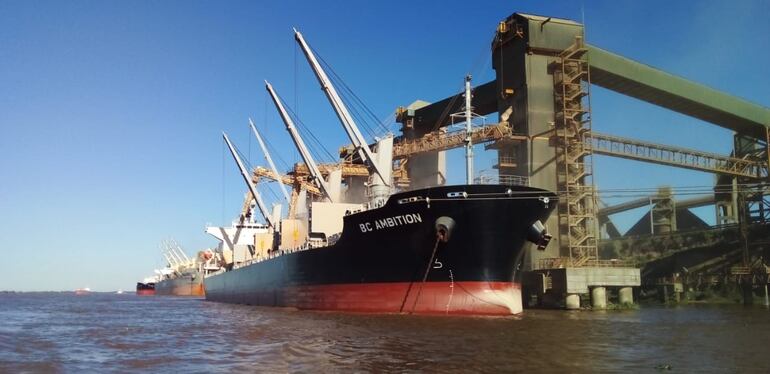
(384, 223)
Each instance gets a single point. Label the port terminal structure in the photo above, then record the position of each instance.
(544, 138)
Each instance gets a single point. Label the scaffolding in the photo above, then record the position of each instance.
(754, 197)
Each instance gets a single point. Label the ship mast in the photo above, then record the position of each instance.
(468, 130)
(303, 151)
(252, 187)
(269, 160)
(342, 111)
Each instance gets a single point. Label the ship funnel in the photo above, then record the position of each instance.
(537, 234)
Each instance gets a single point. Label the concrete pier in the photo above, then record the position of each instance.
(572, 301)
(599, 298)
(626, 296)
(572, 282)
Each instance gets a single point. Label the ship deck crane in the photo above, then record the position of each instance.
(250, 184)
(269, 159)
(177, 258)
(298, 182)
(315, 173)
(169, 259)
(341, 110)
(182, 259)
(176, 247)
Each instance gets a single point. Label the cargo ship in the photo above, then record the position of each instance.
(359, 238)
(449, 249)
(189, 282)
(146, 287)
(182, 276)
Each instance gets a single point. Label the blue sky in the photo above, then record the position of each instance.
(111, 112)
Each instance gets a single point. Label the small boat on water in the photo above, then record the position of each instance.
(83, 291)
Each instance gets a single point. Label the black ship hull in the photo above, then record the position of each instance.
(145, 289)
(390, 259)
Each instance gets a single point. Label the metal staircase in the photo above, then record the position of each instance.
(577, 203)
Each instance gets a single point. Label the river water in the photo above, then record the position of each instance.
(124, 333)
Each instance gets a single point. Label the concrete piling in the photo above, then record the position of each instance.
(572, 301)
(599, 298)
(625, 295)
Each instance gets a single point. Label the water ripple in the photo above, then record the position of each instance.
(125, 333)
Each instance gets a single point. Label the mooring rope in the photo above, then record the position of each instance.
(439, 238)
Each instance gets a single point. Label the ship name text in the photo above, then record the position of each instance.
(384, 223)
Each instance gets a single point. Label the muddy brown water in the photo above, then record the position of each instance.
(126, 333)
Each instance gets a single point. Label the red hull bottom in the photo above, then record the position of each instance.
(469, 298)
(145, 292)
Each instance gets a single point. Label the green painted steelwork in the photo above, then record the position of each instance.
(655, 86)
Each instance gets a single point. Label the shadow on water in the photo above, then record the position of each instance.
(127, 333)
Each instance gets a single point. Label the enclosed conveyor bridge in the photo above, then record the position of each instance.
(625, 76)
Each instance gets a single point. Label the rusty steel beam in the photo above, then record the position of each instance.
(441, 141)
(348, 169)
(260, 172)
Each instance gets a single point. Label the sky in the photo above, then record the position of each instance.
(111, 113)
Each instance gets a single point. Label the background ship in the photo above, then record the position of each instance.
(183, 276)
(147, 286)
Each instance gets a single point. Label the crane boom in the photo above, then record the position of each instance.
(252, 187)
(303, 151)
(173, 255)
(339, 107)
(176, 248)
(181, 253)
(169, 259)
(269, 159)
